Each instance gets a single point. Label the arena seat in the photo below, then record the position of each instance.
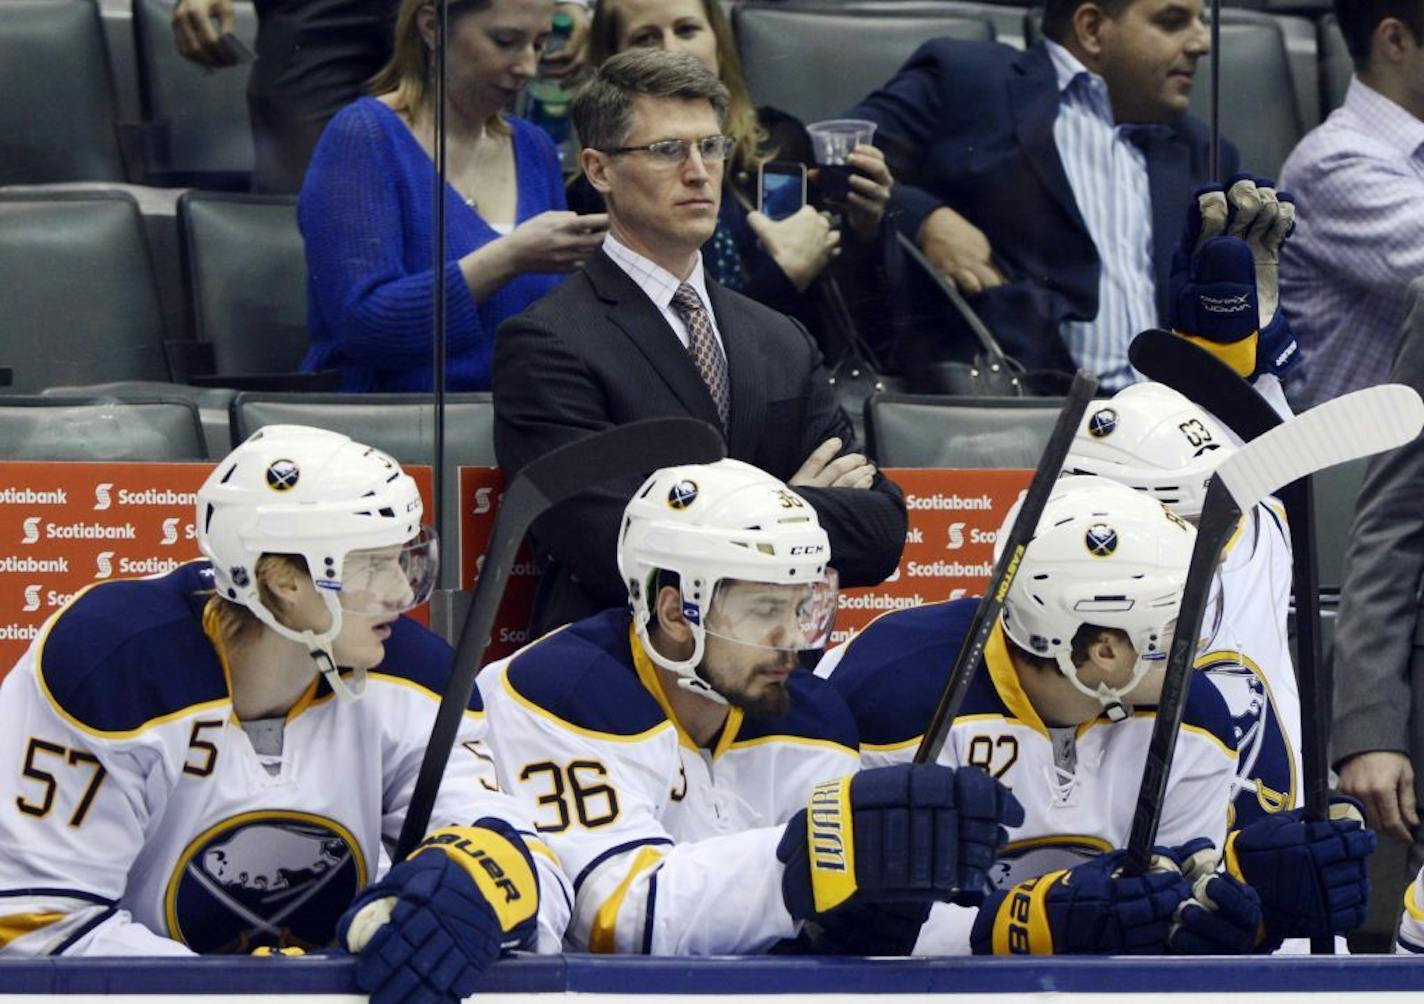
(59, 118)
(245, 270)
(78, 303)
(1336, 66)
(400, 424)
(54, 428)
(785, 47)
(921, 430)
(1335, 491)
(213, 404)
(195, 130)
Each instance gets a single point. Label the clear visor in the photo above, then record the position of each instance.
(391, 580)
(773, 616)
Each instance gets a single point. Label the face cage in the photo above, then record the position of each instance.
(774, 617)
(379, 581)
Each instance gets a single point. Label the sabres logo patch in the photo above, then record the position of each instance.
(282, 475)
(1101, 540)
(682, 494)
(1102, 423)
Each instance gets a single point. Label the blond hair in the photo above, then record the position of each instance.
(409, 75)
(232, 618)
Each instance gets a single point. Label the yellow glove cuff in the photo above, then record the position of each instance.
(830, 836)
(500, 869)
(1239, 355)
(1021, 925)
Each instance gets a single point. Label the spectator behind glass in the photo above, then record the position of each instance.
(365, 208)
(314, 58)
(773, 262)
(1049, 182)
(1360, 175)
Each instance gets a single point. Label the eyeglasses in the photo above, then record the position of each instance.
(674, 151)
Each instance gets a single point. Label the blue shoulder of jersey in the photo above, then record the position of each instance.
(583, 675)
(418, 655)
(817, 712)
(132, 651)
(891, 675)
(1207, 710)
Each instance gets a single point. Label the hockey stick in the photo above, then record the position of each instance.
(636, 448)
(1206, 380)
(1356, 425)
(971, 650)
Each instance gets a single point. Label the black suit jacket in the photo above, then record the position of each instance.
(596, 353)
(969, 125)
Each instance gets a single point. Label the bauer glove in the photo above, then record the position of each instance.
(1222, 915)
(1092, 909)
(915, 833)
(441, 917)
(1311, 876)
(1225, 281)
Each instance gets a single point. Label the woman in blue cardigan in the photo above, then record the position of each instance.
(365, 208)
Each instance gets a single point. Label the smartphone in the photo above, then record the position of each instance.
(781, 188)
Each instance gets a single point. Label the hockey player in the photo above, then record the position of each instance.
(1061, 712)
(1153, 439)
(702, 790)
(1410, 937)
(187, 768)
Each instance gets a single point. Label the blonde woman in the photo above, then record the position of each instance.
(365, 209)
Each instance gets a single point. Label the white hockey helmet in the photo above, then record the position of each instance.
(716, 525)
(347, 509)
(1106, 555)
(1151, 438)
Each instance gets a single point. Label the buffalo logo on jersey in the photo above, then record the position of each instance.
(264, 878)
(1101, 540)
(682, 494)
(282, 475)
(1265, 772)
(1102, 423)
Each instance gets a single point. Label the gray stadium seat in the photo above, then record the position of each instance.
(1259, 113)
(400, 424)
(78, 302)
(1302, 43)
(246, 273)
(816, 61)
(1336, 66)
(58, 123)
(213, 404)
(52, 428)
(195, 125)
(919, 430)
(1335, 490)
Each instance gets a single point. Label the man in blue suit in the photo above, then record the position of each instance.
(1051, 182)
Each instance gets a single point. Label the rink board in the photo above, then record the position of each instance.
(815, 981)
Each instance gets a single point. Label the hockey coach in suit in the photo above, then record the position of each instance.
(641, 333)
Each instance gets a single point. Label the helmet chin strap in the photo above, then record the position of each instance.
(688, 678)
(1113, 699)
(319, 647)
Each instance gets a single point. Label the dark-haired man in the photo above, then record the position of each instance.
(1344, 276)
(641, 332)
(1052, 180)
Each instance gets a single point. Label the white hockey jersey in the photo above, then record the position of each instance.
(138, 818)
(1078, 786)
(1249, 660)
(1410, 940)
(672, 847)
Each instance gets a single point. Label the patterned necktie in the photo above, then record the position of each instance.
(706, 352)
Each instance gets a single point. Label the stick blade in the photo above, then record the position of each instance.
(1203, 379)
(1355, 425)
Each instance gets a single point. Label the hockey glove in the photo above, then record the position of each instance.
(1223, 914)
(1225, 276)
(907, 833)
(1311, 876)
(866, 929)
(1091, 909)
(440, 918)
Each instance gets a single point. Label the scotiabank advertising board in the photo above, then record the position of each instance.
(65, 525)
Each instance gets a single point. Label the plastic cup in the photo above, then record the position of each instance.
(832, 141)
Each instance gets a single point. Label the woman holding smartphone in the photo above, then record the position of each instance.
(771, 260)
(365, 208)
